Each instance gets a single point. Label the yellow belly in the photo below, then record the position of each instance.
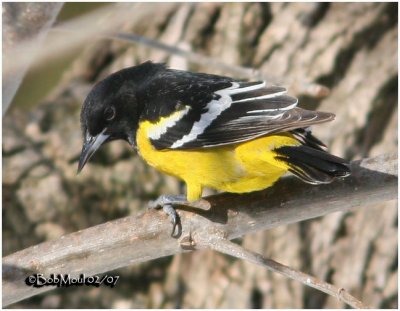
(245, 167)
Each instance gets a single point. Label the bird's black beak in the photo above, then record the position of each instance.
(90, 145)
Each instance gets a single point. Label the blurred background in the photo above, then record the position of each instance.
(337, 57)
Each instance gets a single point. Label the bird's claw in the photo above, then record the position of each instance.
(166, 203)
(173, 216)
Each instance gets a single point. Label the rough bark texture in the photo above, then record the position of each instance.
(349, 47)
(146, 236)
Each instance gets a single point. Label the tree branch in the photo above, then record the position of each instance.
(21, 22)
(147, 236)
(227, 247)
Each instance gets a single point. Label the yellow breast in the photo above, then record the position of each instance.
(240, 168)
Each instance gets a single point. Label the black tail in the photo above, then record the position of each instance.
(311, 163)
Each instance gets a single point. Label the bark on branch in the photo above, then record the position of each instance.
(146, 236)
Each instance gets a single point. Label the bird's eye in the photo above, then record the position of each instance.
(109, 113)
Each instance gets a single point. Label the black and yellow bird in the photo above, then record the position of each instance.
(207, 130)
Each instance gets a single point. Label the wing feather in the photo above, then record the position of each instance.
(221, 111)
(237, 131)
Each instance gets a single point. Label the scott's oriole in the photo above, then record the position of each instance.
(208, 130)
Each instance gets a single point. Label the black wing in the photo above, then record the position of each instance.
(214, 111)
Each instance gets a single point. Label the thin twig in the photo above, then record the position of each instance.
(147, 236)
(305, 87)
(193, 57)
(227, 247)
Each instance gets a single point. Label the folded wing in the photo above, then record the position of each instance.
(238, 112)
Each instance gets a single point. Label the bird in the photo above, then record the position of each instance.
(207, 130)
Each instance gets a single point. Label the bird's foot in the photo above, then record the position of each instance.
(167, 202)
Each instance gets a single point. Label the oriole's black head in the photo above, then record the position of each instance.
(112, 109)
